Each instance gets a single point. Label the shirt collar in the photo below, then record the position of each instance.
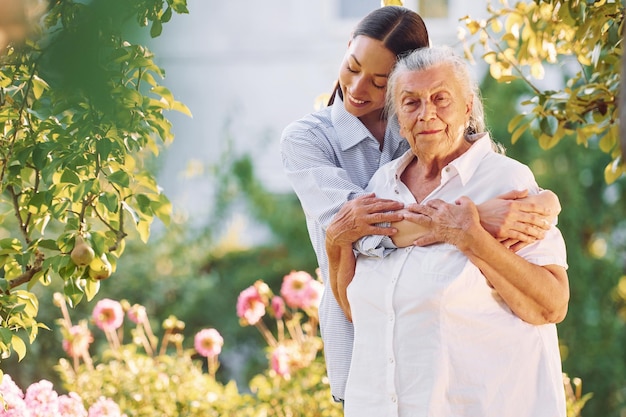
(350, 129)
(465, 165)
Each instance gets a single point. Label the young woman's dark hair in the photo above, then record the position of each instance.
(400, 29)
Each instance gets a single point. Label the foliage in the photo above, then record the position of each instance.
(80, 110)
(582, 38)
(173, 383)
(144, 379)
(170, 381)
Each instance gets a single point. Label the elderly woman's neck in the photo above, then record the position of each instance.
(423, 174)
(430, 163)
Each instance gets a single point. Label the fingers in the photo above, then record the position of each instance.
(532, 208)
(363, 216)
(518, 246)
(370, 204)
(342, 297)
(513, 195)
(525, 232)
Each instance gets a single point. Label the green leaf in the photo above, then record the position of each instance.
(38, 203)
(120, 178)
(167, 15)
(92, 286)
(39, 86)
(73, 292)
(104, 147)
(156, 28)
(5, 335)
(110, 201)
(83, 189)
(40, 155)
(143, 204)
(69, 177)
(179, 6)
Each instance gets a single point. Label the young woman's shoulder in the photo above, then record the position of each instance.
(313, 128)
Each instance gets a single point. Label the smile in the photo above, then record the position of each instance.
(355, 100)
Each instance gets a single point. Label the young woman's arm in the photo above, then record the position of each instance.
(515, 219)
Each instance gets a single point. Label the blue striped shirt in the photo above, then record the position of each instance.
(329, 157)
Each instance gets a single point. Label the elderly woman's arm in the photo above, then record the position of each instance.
(537, 294)
(514, 216)
(515, 219)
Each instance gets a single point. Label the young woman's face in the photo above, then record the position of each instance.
(363, 75)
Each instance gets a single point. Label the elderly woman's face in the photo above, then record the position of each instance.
(433, 109)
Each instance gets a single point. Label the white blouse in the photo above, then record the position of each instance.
(431, 338)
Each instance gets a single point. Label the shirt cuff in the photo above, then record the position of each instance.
(375, 245)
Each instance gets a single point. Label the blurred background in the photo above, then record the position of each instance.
(248, 68)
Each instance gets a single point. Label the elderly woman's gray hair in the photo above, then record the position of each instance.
(425, 58)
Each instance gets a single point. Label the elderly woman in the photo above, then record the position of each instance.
(464, 327)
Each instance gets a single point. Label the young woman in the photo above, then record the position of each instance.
(329, 157)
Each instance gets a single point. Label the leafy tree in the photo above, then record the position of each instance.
(80, 111)
(583, 38)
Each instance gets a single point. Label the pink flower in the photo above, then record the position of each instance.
(42, 400)
(13, 397)
(71, 405)
(108, 314)
(78, 341)
(316, 288)
(280, 360)
(137, 314)
(105, 407)
(208, 342)
(250, 305)
(9, 387)
(300, 290)
(278, 307)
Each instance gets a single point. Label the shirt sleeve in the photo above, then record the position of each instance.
(376, 245)
(312, 167)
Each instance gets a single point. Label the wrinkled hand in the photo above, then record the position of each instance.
(414, 225)
(516, 219)
(446, 223)
(363, 216)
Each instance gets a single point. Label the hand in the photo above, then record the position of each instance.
(363, 216)
(450, 223)
(517, 219)
(414, 225)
